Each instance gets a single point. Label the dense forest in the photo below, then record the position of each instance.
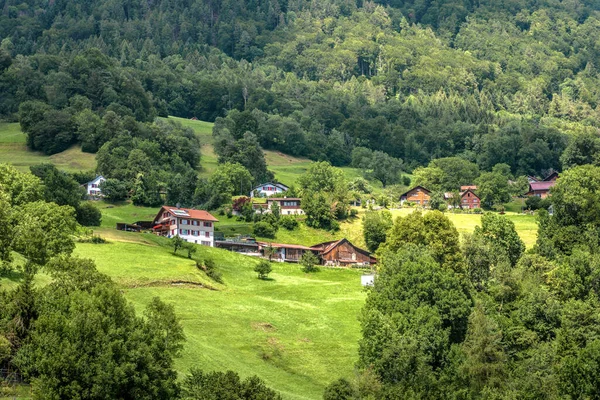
(509, 82)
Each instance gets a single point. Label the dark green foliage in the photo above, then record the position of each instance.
(73, 342)
(501, 234)
(211, 270)
(339, 390)
(177, 243)
(288, 222)
(318, 211)
(433, 230)
(263, 269)
(200, 385)
(264, 229)
(535, 203)
(576, 219)
(59, 187)
(375, 228)
(416, 311)
(309, 262)
(114, 190)
(87, 214)
(492, 189)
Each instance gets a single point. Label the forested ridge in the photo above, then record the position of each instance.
(508, 82)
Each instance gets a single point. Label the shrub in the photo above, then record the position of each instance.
(339, 390)
(264, 229)
(353, 212)
(288, 222)
(334, 226)
(309, 262)
(88, 215)
(476, 210)
(211, 271)
(263, 268)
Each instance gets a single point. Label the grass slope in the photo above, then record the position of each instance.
(297, 331)
(14, 150)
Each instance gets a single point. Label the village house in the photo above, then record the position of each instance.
(339, 252)
(540, 189)
(283, 252)
(468, 199)
(417, 195)
(343, 253)
(194, 226)
(92, 188)
(287, 205)
(268, 189)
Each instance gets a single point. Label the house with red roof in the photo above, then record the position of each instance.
(194, 226)
(540, 189)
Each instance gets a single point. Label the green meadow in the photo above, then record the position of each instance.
(297, 331)
(14, 150)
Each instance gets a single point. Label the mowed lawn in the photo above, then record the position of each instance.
(297, 331)
(14, 150)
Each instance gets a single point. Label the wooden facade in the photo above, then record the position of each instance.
(343, 253)
(468, 199)
(417, 195)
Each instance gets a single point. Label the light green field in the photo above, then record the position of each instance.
(293, 330)
(14, 150)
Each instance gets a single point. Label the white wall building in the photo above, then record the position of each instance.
(268, 189)
(92, 188)
(194, 226)
(287, 205)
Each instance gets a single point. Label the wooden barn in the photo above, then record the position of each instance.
(342, 252)
(417, 195)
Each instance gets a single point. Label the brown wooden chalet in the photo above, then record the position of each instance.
(339, 252)
(342, 252)
(417, 195)
(468, 199)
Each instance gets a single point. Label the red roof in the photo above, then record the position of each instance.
(544, 185)
(192, 214)
(464, 188)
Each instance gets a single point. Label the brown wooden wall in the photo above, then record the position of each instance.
(343, 254)
(418, 196)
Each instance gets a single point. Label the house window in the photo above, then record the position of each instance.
(207, 234)
(209, 224)
(205, 243)
(184, 221)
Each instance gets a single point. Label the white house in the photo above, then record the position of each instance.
(268, 189)
(194, 226)
(92, 188)
(287, 205)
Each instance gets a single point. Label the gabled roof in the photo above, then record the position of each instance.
(552, 177)
(326, 247)
(187, 213)
(94, 180)
(279, 185)
(464, 188)
(462, 194)
(544, 185)
(416, 187)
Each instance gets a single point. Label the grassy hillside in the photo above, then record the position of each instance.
(14, 150)
(292, 330)
(297, 331)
